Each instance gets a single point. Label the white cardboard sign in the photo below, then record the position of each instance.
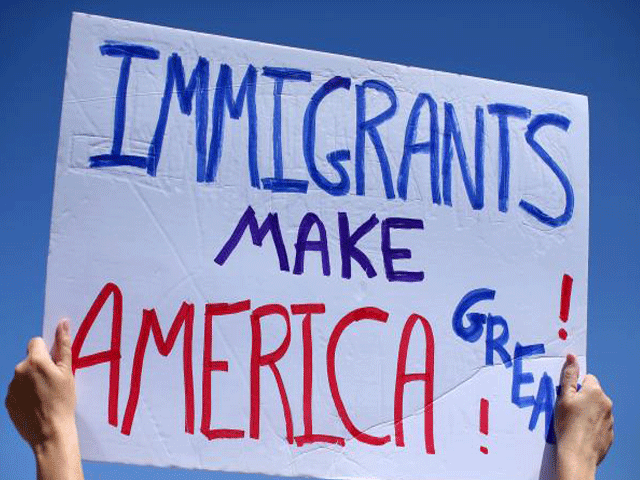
(290, 262)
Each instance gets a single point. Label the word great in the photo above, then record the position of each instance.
(545, 399)
(184, 320)
(367, 126)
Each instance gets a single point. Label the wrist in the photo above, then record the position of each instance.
(60, 432)
(572, 465)
(58, 454)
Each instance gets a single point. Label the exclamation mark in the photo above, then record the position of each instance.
(484, 421)
(565, 303)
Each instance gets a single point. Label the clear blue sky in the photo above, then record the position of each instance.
(592, 48)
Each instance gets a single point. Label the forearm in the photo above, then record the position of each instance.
(58, 458)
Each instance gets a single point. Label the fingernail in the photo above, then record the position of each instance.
(571, 358)
(65, 325)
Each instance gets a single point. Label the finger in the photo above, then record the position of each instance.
(569, 375)
(10, 404)
(590, 381)
(61, 351)
(15, 393)
(9, 401)
(604, 454)
(37, 349)
(20, 369)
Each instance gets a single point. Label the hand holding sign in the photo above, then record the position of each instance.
(584, 424)
(41, 402)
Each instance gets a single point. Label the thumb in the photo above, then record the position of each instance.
(61, 351)
(569, 375)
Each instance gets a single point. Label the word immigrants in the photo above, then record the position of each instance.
(444, 140)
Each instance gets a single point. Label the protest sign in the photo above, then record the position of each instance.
(298, 263)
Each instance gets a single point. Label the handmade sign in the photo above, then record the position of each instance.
(296, 263)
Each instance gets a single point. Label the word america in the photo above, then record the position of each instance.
(184, 320)
(367, 126)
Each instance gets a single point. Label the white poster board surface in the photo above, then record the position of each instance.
(290, 262)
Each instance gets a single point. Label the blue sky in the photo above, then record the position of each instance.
(589, 48)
